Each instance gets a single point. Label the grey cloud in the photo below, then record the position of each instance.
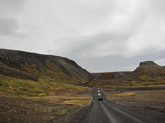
(94, 45)
(8, 26)
(158, 7)
(99, 35)
(10, 7)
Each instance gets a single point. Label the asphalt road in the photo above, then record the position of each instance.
(107, 112)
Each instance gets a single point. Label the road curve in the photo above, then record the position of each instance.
(107, 112)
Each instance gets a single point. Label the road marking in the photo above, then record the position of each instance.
(107, 113)
(128, 115)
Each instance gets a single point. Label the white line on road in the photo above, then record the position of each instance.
(128, 115)
(107, 113)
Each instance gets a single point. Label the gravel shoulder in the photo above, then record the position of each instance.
(75, 116)
(151, 98)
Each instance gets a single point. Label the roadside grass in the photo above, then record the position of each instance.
(70, 99)
(125, 94)
(77, 102)
(146, 99)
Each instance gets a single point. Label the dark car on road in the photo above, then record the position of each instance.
(100, 98)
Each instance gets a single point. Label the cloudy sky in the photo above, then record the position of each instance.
(100, 35)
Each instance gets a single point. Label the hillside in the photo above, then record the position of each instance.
(147, 73)
(111, 75)
(30, 66)
(148, 68)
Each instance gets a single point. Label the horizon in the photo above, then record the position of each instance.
(80, 65)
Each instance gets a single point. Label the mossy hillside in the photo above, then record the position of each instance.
(19, 87)
(53, 73)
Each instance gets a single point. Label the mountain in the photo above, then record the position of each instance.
(147, 68)
(111, 75)
(150, 68)
(26, 65)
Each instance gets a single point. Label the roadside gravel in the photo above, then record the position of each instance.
(76, 116)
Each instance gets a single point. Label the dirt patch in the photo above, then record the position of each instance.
(41, 109)
(75, 116)
(14, 109)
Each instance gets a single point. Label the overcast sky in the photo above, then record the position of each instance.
(99, 35)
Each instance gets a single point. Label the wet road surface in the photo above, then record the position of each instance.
(107, 112)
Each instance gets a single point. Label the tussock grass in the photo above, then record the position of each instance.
(76, 102)
(125, 94)
(148, 98)
(69, 99)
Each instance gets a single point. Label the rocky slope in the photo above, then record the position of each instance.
(148, 68)
(27, 65)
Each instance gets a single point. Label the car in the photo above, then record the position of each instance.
(99, 94)
(100, 98)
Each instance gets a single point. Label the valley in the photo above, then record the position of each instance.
(45, 88)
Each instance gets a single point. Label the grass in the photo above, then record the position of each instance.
(151, 98)
(70, 99)
(19, 87)
(76, 102)
(125, 94)
(51, 82)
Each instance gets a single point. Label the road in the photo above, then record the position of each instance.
(107, 112)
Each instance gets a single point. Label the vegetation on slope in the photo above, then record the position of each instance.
(39, 90)
(27, 65)
(42, 101)
(20, 87)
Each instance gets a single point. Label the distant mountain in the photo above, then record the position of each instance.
(148, 68)
(111, 75)
(27, 65)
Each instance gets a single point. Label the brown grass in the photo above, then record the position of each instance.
(124, 94)
(152, 99)
(69, 99)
